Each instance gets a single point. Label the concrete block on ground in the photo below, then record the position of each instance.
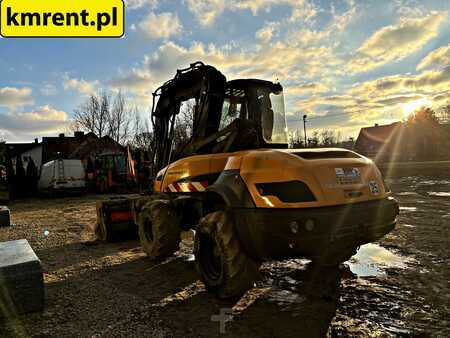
(5, 218)
(21, 279)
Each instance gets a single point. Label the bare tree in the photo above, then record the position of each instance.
(104, 115)
(92, 115)
(143, 137)
(328, 138)
(296, 139)
(119, 119)
(443, 113)
(313, 141)
(183, 126)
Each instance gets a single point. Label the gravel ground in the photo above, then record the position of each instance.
(399, 287)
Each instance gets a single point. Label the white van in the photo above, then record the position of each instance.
(62, 175)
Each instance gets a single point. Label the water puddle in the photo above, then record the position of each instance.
(371, 259)
(407, 193)
(433, 182)
(282, 297)
(439, 193)
(408, 209)
(408, 225)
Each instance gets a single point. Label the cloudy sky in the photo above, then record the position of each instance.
(344, 63)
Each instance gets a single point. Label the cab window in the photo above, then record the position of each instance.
(234, 106)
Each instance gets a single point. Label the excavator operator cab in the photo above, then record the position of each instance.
(261, 103)
(228, 116)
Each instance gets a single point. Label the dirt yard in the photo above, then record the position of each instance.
(396, 287)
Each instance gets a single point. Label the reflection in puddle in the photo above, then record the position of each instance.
(408, 225)
(432, 182)
(371, 259)
(407, 193)
(408, 209)
(285, 297)
(439, 193)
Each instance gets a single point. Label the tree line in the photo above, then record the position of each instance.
(109, 114)
(424, 135)
(426, 132)
(106, 114)
(320, 138)
(112, 114)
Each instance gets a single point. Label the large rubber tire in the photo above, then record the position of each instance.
(224, 267)
(159, 229)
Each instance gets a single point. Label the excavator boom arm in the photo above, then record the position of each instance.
(203, 83)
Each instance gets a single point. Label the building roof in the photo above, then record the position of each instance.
(97, 146)
(63, 145)
(78, 146)
(379, 134)
(16, 149)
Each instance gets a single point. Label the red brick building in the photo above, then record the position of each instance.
(382, 142)
(79, 146)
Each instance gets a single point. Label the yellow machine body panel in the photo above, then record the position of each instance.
(334, 176)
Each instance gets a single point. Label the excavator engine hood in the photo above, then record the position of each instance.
(308, 178)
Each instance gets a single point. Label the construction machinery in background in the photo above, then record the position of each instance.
(247, 196)
(115, 172)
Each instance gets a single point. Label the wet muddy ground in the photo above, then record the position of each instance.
(398, 286)
(404, 288)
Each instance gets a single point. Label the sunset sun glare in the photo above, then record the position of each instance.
(409, 107)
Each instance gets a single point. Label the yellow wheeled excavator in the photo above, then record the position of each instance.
(247, 196)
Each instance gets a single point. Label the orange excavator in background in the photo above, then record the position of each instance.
(115, 172)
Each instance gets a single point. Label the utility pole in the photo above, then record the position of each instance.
(304, 130)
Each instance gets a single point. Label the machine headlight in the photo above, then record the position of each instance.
(294, 227)
(310, 224)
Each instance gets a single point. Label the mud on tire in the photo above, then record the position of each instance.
(221, 261)
(159, 229)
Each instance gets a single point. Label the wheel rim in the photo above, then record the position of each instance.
(210, 258)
